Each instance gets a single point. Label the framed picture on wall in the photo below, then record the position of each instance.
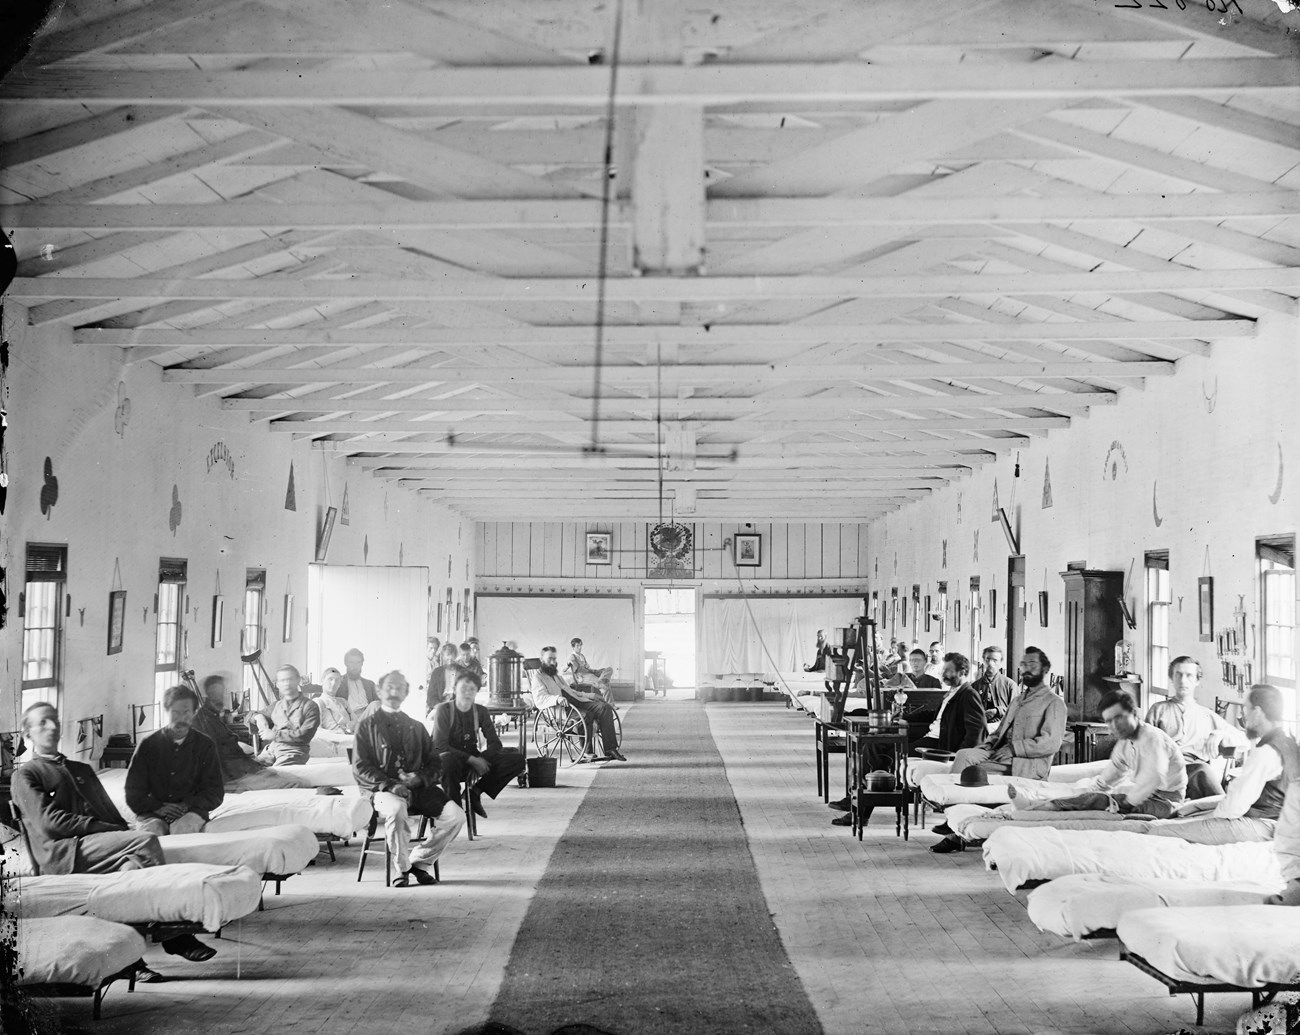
(116, 620)
(218, 619)
(1205, 608)
(993, 609)
(458, 614)
(1042, 608)
(956, 616)
(600, 547)
(439, 625)
(927, 614)
(748, 550)
(288, 618)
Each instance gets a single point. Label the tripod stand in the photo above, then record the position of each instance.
(860, 655)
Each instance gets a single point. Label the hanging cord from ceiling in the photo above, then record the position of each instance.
(659, 426)
(606, 200)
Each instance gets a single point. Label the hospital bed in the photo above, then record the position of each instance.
(76, 956)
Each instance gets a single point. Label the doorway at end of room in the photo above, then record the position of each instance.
(670, 642)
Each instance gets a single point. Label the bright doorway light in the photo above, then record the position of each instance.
(670, 632)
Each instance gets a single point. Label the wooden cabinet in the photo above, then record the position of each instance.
(1094, 622)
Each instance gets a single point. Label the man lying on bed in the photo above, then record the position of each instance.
(72, 825)
(239, 769)
(1249, 809)
(1144, 755)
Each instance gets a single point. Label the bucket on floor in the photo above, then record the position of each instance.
(541, 772)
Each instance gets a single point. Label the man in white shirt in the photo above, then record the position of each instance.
(549, 688)
(1143, 755)
(1250, 808)
(935, 668)
(1197, 730)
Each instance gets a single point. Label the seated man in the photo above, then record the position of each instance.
(995, 689)
(547, 688)
(1197, 730)
(583, 674)
(935, 667)
(819, 662)
(292, 723)
(959, 724)
(1254, 798)
(1030, 733)
(469, 659)
(442, 680)
(335, 714)
(912, 676)
(174, 780)
(239, 769)
(72, 825)
(1286, 842)
(1143, 755)
(456, 728)
(394, 760)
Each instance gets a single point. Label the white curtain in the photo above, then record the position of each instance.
(766, 634)
(606, 626)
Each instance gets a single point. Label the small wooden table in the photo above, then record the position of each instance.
(862, 736)
(829, 737)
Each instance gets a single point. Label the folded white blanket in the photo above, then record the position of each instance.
(74, 950)
(1021, 854)
(1085, 903)
(1245, 945)
(194, 893)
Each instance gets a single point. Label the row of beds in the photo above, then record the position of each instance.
(1191, 916)
(77, 934)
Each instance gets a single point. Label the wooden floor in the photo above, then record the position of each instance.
(886, 936)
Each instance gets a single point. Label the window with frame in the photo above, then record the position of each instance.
(44, 602)
(251, 636)
(169, 643)
(1277, 597)
(976, 621)
(1159, 602)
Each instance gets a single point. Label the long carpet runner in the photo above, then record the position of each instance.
(649, 917)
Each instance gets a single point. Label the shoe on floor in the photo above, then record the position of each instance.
(949, 844)
(146, 974)
(842, 821)
(189, 947)
(402, 880)
(476, 803)
(616, 755)
(843, 805)
(423, 876)
(942, 829)
(589, 758)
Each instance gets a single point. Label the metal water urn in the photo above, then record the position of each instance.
(505, 667)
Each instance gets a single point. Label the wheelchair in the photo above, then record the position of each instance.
(560, 732)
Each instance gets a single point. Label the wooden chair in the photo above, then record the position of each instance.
(368, 848)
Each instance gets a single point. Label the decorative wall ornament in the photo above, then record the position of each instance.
(218, 619)
(1047, 485)
(1115, 459)
(50, 490)
(748, 551)
(174, 515)
(345, 510)
(670, 551)
(1276, 494)
(996, 506)
(1211, 398)
(290, 496)
(959, 508)
(1205, 609)
(945, 553)
(219, 456)
(600, 547)
(365, 550)
(122, 415)
(117, 619)
(1155, 510)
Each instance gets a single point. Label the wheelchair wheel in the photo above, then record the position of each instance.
(560, 732)
(618, 729)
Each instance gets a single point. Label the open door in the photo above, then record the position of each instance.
(1015, 613)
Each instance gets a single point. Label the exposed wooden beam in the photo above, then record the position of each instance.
(686, 374)
(650, 289)
(804, 456)
(864, 403)
(333, 335)
(532, 88)
(386, 216)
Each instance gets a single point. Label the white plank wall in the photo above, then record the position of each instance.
(557, 550)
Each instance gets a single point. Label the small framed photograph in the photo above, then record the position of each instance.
(458, 614)
(956, 616)
(927, 614)
(288, 617)
(1042, 608)
(1205, 608)
(218, 619)
(993, 609)
(439, 625)
(326, 530)
(600, 547)
(116, 620)
(748, 550)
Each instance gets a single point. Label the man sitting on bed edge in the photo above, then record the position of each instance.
(72, 824)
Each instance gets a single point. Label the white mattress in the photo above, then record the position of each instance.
(331, 744)
(266, 850)
(74, 950)
(944, 789)
(337, 814)
(976, 824)
(1246, 946)
(321, 772)
(1085, 903)
(210, 895)
(1021, 854)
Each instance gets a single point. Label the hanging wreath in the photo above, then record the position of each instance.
(672, 541)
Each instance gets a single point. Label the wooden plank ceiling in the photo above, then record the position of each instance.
(855, 250)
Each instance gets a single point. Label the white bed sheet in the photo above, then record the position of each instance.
(1021, 854)
(1085, 903)
(285, 849)
(332, 744)
(1246, 946)
(944, 789)
(192, 892)
(74, 950)
(976, 823)
(321, 772)
(337, 814)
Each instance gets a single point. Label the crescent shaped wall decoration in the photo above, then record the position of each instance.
(1276, 494)
(1155, 510)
